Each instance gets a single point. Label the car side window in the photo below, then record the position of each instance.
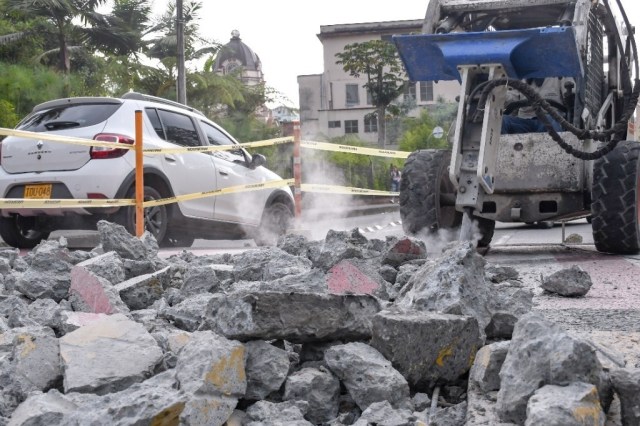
(152, 114)
(179, 128)
(216, 137)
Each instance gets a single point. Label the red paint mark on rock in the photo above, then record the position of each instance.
(90, 290)
(406, 246)
(346, 278)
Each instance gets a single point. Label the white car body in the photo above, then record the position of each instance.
(73, 173)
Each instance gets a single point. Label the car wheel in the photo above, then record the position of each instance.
(615, 194)
(156, 218)
(22, 231)
(276, 220)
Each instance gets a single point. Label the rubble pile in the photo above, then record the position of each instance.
(343, 331)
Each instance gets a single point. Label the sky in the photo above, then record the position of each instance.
(284, 33)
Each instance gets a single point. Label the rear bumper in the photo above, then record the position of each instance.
(96, 177)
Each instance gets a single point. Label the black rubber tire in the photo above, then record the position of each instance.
(22, 231)
(156, 219)
(423, 184)
(276, 220)
(427, 196)
(615, 213)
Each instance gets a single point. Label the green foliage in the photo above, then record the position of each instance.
(24, 86)
(8, 116)
(418, 132)
(378, 60)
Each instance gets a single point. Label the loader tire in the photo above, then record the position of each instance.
(615, 208)
(427, 197)
(423, 188)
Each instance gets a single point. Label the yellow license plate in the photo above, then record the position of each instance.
(37, 191)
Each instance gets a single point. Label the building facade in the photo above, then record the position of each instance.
(334, 104)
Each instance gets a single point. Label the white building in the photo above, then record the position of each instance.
(334, 104)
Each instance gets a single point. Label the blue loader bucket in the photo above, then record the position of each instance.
(528, 53)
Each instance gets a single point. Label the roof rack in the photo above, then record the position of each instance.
(143, 97)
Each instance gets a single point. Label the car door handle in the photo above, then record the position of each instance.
(170, 158)
(223, 172)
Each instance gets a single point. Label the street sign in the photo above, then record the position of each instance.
(438, 132)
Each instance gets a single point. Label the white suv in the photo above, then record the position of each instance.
(43, 169)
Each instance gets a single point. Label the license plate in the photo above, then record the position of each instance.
(37, 191)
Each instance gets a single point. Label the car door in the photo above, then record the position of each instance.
(232, 170)
(190, 172)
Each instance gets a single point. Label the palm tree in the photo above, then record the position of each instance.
(71, 22)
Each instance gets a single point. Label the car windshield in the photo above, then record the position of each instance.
(68, 116)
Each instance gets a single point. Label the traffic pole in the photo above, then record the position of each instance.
(297, 170)
(139, 177)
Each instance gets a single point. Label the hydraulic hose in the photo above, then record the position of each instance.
(541, 106)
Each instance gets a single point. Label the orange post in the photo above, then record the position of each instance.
(297, 170)
(139, 177)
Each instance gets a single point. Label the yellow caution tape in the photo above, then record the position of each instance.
(222, 191)
(325, 146)
(57, 203)
(67, 203)
(91, 142)
(212, 148)
(332, 189)
(63, 139)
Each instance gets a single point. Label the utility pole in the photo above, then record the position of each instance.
(182, 80)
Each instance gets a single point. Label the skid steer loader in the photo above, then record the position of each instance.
(589, 168)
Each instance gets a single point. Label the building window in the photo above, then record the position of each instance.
(426, 91)
(353, 97)
(369, 98)
(410, 90)
(350, 126)
(334, 124)
(370, 124)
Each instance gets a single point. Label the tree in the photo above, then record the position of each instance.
(418, 132)
(379, 61)
(62, 16)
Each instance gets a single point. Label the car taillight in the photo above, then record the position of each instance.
(98, 152)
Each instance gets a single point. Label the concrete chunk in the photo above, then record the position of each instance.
(212, 364)
(108, 355)
(367, 374)
(267, 367)
(485, 372)
(438, 348)
(574, 405)
(626, 383)
(570, 282)
(320, 388)
(452, 284)
(114, 237)
(94, 294)
(541, 353)
(296, 317)
(140, 292)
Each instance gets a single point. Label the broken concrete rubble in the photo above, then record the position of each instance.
(342, 331)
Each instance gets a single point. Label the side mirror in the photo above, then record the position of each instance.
(257, 160)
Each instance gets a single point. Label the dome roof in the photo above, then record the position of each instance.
(236, 53)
